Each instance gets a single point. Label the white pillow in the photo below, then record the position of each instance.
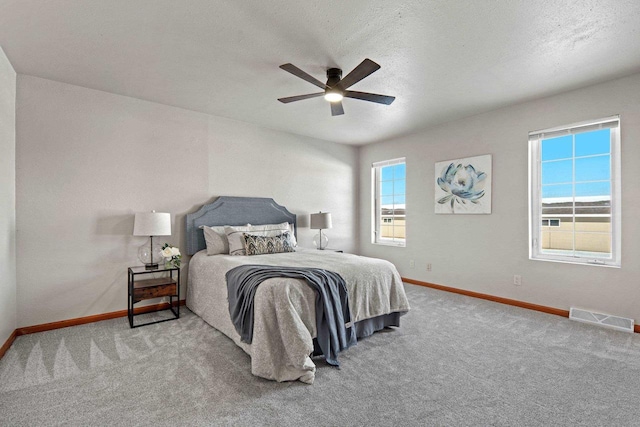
(275, 229)
(292, 235)
(236, 241)
(216, 240)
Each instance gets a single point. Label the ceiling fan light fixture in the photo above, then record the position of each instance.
(336, 87)
(333, 96)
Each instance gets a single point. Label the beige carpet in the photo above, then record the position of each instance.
(455, 361)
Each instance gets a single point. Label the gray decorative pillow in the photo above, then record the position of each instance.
(216, 239)
(261, 245)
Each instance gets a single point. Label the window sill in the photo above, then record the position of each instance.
(576, 262)
(396, 244)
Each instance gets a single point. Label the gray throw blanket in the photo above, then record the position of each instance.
(332, 304)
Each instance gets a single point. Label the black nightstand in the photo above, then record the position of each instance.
(333, 250)
(167, 285)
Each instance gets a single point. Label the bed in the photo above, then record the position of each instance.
(284, 311)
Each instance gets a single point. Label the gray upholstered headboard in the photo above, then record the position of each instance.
(228, 210)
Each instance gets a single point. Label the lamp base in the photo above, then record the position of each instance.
(150, 254)
(320, 240)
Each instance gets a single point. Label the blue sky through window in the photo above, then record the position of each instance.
(592, 165)
(393, 184)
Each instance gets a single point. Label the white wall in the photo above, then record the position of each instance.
(87, 160)
(7, 198)
(481, 253)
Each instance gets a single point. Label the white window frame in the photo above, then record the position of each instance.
(535, 193)
(376, 219)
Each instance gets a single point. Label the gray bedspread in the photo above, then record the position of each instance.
(284, 322)
(332, 304)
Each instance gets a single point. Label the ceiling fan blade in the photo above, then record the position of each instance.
(304, 76)
(336, 108)
(299, 97)
(372, 97)
(365, 68)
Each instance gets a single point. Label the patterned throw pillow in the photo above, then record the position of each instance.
(261, 245)
(236, 241)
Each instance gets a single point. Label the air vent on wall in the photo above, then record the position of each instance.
(605, 320)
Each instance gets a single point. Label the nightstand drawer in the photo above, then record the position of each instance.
(154, 288)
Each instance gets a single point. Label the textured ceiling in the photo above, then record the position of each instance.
(441, 59)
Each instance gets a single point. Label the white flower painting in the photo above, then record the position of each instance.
(463, 186)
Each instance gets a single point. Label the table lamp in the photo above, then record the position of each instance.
(151, 224)
(320, 221)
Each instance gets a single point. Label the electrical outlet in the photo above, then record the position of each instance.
(429, 267)
(517, 280)
(412, 263)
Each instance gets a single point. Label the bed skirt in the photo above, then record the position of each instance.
(367, 327)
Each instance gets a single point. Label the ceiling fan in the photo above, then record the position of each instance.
(336, 87)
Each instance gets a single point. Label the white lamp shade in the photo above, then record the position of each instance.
(152, 224)
(320, 221)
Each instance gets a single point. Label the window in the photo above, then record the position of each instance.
(551, 222)
(389, 191)
(574, 179)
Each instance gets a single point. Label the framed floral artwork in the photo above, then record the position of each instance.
(463, 186)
